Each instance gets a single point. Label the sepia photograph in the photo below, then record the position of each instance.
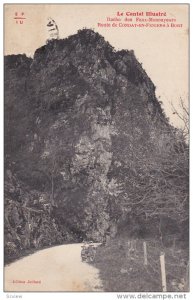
(96, 148)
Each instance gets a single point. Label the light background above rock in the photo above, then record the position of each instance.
(162, 51)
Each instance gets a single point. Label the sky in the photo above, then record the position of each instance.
(163, 52)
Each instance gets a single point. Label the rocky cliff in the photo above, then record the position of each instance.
(83, 128)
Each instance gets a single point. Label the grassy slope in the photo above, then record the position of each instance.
(121, 272)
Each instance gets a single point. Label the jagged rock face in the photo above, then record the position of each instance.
(16, 106)
(28, 223)
(73, 116)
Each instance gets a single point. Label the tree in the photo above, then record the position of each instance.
(182, 114)
(151, 165)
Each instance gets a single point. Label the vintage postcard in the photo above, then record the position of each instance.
(96, 137)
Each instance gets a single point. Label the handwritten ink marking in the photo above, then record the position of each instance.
(19, 18)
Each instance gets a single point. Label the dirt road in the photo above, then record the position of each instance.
(55, 269)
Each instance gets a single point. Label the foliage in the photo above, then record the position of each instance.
(88, 148)
(122, 267)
